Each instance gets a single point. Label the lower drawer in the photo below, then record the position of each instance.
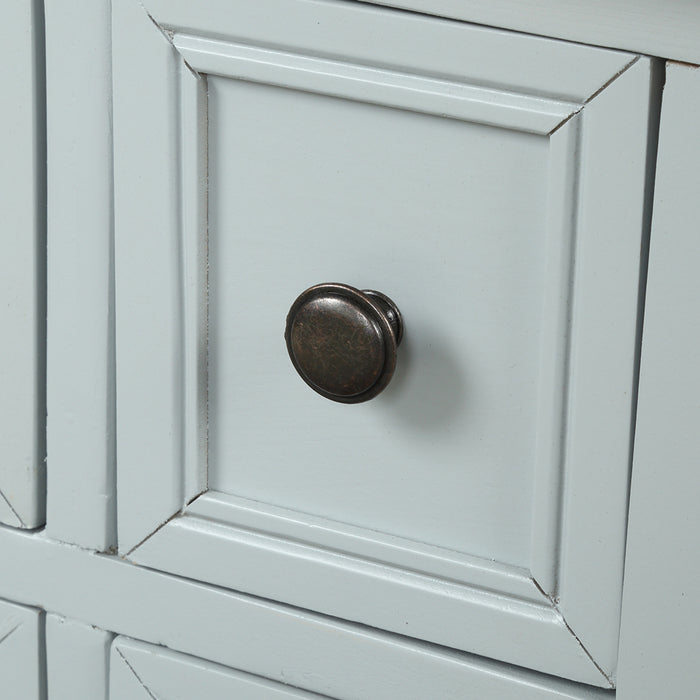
(141, 671)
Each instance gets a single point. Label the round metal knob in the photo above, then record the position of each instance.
(342, 341)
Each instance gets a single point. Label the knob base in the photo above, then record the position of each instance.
(390, 310)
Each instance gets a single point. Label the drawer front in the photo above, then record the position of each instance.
(141, 670)
(493, 186)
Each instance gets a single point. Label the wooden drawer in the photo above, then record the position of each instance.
(493, 185)
(138, 669)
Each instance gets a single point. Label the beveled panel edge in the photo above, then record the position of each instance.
(388, 38)
(619, 131)
(395, 88)
(148, 266)
(192, 106)
(370, 593)
(351, 541)
(555, 354)
(215, 624)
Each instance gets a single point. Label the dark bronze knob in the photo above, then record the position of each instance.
(342, 341)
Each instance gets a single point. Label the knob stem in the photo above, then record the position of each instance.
(390, 310)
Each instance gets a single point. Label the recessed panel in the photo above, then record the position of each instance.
(444, 216)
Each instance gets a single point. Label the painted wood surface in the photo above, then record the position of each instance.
(573, 366)
(373, 36)
(80, 425)
(664, 28)
(147, 228)
(22, 667)
(77, 659)
(22, 265)
(171, 676)
(613, 213)
(661, 604)
(285, 644)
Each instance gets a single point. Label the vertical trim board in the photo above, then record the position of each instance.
(81, 392)
(659, 642)
(148, 313)
(23, 266)
(611, 232)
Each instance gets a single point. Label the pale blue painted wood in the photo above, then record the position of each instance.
(357, 32)
(426, 460)
(77, 659)
(165, 674)
(665, 28)
(606, 325)
(22, 265)
(147, 228)
(419, 467)
(285, 644)
(22, 667)
(80, 425)
(661, 605)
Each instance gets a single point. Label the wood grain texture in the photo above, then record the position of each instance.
(275, 641)
(77, 659)
(22, 667)
(664, 28)
(661, 603)
(22, 266)
(80, 430)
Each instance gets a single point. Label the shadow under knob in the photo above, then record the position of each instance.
(343, 341)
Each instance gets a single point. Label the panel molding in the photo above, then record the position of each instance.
(268, 639)
(162, 440)
(454, 100)
(516, 62)
(491, 624)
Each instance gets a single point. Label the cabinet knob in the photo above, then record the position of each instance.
(342, 341)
